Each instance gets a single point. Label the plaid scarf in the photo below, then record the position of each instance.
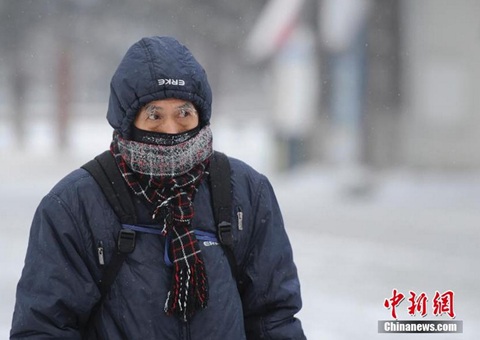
(171, 201)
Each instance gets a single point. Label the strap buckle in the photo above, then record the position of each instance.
(225, 234)
(126, 241)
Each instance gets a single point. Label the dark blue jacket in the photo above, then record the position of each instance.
(58, 287)
(59, 283)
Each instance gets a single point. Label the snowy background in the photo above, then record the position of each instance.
(353, 242)
(363, 114)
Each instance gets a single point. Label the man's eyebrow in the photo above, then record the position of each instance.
(186, 105)
(153, 107)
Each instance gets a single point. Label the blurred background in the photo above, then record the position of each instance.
(363, 113)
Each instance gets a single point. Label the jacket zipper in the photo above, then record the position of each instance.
(185, 330)
(100, 252)
(239, 218)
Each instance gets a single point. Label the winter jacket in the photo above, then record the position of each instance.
(58, 287)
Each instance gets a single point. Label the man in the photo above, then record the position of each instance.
(172, 285)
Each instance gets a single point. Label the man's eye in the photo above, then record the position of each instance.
(186, 113)
(151, 113)
(152, 116)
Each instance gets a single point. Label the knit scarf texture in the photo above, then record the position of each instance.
(168, 186)
(165, 160)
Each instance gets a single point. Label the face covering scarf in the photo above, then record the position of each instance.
(168, 183)
(165, 139)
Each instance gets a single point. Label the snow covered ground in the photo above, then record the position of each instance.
(353, 241)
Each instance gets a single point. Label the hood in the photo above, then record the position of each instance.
(156, 68)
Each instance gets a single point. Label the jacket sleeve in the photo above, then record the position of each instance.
(271, 292)
(56, 290)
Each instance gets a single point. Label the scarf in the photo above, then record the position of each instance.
(155, 159)
(169, 187)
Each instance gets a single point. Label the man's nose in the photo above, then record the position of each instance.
(171, 126)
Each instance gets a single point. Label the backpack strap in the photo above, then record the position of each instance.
(221, 190)
(104, 170)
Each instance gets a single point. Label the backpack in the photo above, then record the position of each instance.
(104, 170)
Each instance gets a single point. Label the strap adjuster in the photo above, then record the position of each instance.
(126, 241)
(225, 234)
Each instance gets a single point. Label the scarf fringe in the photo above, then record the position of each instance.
(189, 291)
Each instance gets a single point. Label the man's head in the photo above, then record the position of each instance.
(158, 78)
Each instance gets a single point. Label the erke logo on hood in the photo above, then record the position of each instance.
(178, 82)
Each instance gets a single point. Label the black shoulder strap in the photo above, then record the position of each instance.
(104, 170)
(221, 190)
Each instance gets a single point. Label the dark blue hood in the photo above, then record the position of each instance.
(156, 68)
